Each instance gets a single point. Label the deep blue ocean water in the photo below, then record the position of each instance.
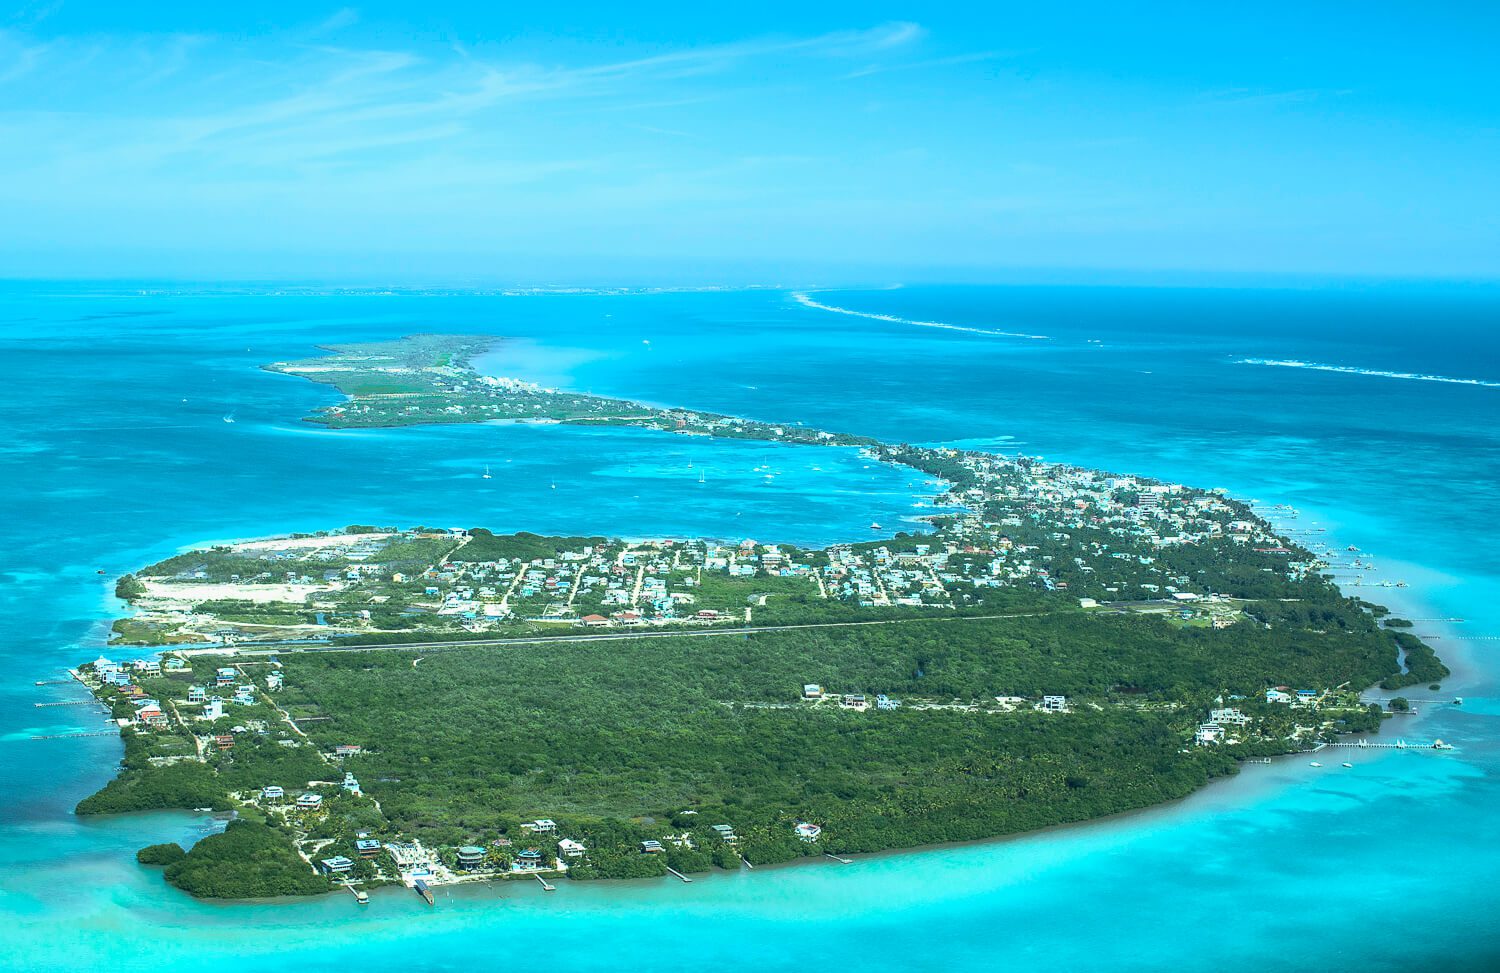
(114, 453)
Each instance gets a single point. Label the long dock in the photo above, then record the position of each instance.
(841, 861)
(69, 702)
(546, 885)
(69, 736)
(678, 874)
(1398, 745)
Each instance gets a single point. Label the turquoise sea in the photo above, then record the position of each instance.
(115, 452)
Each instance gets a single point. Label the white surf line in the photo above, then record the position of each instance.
(801, 297)
(1351, 370)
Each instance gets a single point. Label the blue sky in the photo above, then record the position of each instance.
(763, 142)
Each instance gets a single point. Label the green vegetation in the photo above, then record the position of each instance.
(486, 545)
(248, 860)
(165, 854)
(141, 631)
(128, 587)
(1422, 664)
(473, 741)
(146, 787)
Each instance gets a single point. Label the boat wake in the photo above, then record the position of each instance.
(1351, 370)
(806, 300)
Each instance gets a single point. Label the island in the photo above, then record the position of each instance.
(421, 705)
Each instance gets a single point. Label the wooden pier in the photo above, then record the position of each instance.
(69, 702)
(841, 861)
(1398, 745)
(679, 874)
(69, 736)
(546, 885)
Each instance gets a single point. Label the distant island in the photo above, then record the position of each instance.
(377, 704)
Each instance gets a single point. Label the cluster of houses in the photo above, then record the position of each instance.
(1224, 720)
(859, 702)
(1008, 523)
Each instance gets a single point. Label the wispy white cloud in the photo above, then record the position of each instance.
(936, 62)
(314, 98)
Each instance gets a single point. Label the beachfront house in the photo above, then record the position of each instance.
(367, 848)
(470, 856)
(806, 831)
(337, 865)
(726, 833)
(571, 849)
(652, 847)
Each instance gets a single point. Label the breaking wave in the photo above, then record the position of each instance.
(1351, 370)
(806, 301)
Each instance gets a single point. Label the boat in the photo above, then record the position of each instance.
(1315, 764)
(1440, 745)
(229, 418)
(421, 889)
(875, 526)
(701, 478)
(1348, 764)
(1457, 700)
(486, 472)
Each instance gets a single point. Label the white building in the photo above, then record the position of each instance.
(1208, 733)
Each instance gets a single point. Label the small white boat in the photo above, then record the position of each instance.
(1315, 764)
(228, 418)
(486, 472)
(1348, 764)
(874, 526)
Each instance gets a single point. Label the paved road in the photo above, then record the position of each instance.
(610, 637)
